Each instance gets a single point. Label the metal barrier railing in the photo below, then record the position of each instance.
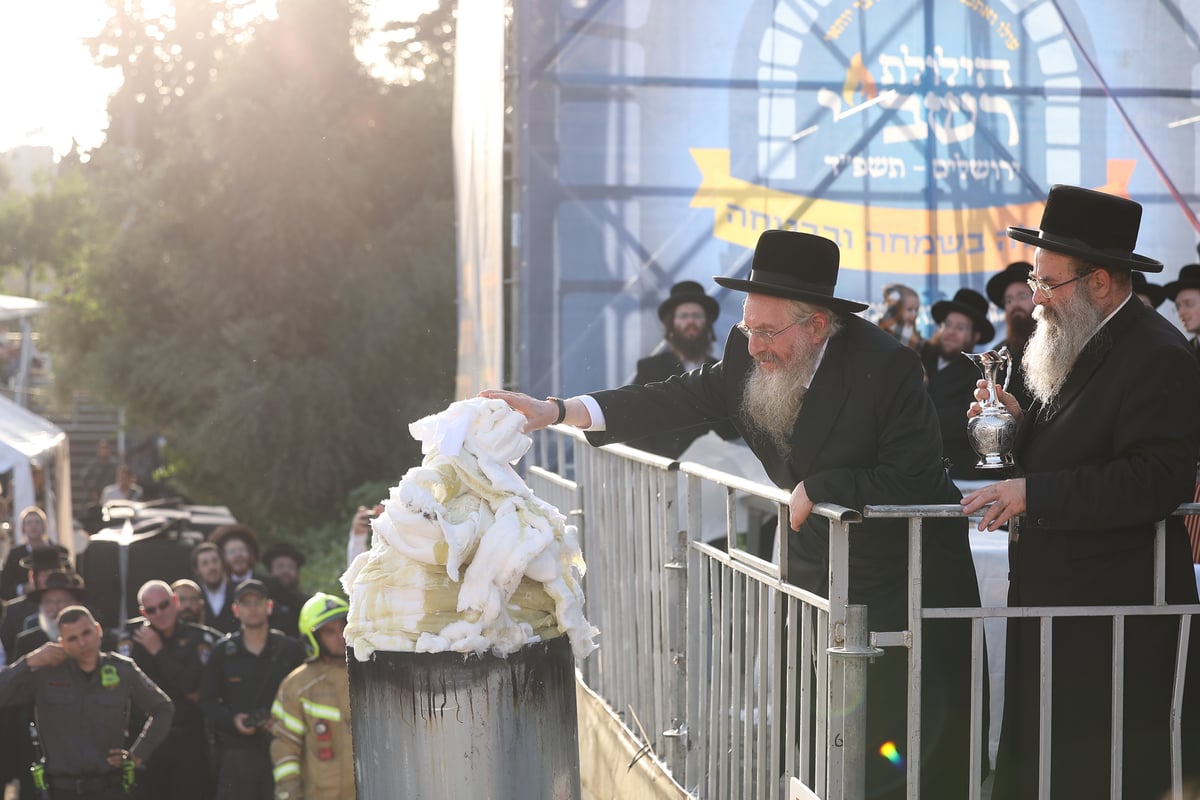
(712, 659)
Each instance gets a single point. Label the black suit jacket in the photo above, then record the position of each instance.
(225, 622)
(1115, 454)
(672, 444)
(867, 434)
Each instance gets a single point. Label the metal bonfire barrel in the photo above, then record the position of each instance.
(445, 725)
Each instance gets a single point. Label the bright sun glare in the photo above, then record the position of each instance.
(60, 92)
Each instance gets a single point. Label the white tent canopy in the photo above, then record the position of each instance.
(13, 307)
(27, 440)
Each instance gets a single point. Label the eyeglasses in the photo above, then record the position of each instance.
(683, 316)
(750, 333)
(158, 609)
(1039, 285)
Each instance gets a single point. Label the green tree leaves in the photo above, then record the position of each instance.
(277, 293)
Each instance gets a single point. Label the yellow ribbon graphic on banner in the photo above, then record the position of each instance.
(914, 241)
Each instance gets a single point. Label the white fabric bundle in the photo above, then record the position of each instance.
(464, 557)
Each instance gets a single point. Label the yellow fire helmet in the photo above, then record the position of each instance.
(319, 609)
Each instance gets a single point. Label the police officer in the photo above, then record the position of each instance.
(311, 750)
(81, 697)
(173, 653)
(237, 689)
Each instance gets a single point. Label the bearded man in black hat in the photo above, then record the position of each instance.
(962, 326)
(1106, 449)
(687, 316)
(1185, 293)
(836, 410)
(1009, 291)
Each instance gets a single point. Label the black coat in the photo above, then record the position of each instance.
(867, 434)
(1116, 454)
(672, 444)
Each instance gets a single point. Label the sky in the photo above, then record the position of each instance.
(52, 90)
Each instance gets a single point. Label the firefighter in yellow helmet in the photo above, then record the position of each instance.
(311, 749)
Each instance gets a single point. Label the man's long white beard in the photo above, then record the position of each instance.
(771, 401)
(1056, 343)
(49, 626)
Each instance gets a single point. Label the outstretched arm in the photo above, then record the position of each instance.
(542, 413)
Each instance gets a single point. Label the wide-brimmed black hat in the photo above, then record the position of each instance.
(1189, 278)
(61, 579)
(688, 292)
(45, 556)
(283, 549)
(997, 285)
(970, 303)
(796, 266)
(1100, 228)
(1155, 292)
(237, 531)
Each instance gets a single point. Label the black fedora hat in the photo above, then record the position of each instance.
(285, 549)
(970, 303)
(1155, 292)
(688, 292)
(795, 266)
(61, 579)
(1100, 228)
(224, 533)
(1189, 278)
(44, 557)
(997, 285)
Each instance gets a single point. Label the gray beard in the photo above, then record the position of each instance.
(1057, 341)
(771, 401)
(48, 626)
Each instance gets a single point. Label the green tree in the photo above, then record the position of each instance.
(278, 298)
(48, 230)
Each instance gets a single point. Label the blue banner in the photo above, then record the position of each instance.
(659, 139)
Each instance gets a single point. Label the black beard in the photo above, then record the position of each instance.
(1020, 328)
(690, 348)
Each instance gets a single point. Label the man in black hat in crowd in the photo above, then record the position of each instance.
(962, 326)
(20, 612)
(1106, 449)
(1185, 293)
(836, 410)
(1009, 291)
(283, 562)
(687, 316)
(60, 589)
(1149, 293)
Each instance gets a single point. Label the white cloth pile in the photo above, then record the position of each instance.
(464, 557)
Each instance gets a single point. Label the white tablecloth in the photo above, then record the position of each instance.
(990, 551)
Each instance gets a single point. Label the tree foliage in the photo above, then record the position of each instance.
(424, 48)
(47, 230)
(277, 295)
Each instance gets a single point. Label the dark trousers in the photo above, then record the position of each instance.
(103, 794)
(177, 769)
(245, 774)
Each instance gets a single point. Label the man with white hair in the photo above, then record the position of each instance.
(1106, 449)
(836, 410)
(172, 652)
